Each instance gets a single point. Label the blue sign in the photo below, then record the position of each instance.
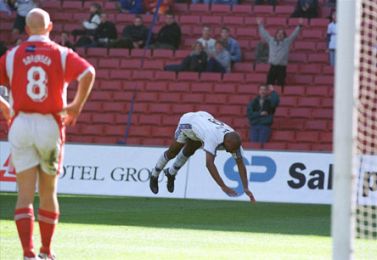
(264, 161)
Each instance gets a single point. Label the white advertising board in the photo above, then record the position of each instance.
(273, 176)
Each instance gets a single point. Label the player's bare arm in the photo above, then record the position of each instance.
(243, 176)
(73, 109)
(210, 163)
(5, 108)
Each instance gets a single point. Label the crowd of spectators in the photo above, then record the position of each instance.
(210, 53)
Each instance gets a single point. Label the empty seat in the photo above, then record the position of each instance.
(233, 20)
(190, 76)
(199, 8)
(221, 9)
(97, 52)
(119, 53)
(241, 9)
(284, 10)
(263, 10)
(72, 6)
(189, 19)
(233, 77)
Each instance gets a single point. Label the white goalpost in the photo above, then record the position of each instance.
(354, 208)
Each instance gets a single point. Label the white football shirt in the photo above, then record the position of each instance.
(202, 126)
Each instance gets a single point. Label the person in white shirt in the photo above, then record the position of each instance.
(196, 130)
(331, 37)
(207, 41)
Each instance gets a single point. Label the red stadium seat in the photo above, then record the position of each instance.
(242, 100)
(142, 74)
(109, 63)
(153, 64)
(119, 53)
(307, 136)
(316, 125)
(221, 9)
(212, 20)
(222, 87)
(165, 75)
(180, 8)
(199, 8)
(120, 74)
(242, 67)
(162, 54)
(284, 10)
(141, 53)
(191, 76)
(263, 10)
(130, 64)
(72, 5)
(209, 76)
(275, 146)
(157, 86)
(203, 87)
(233, 77)
(189, 19)
(51, 5)
(279, 135)
(97, 52)
(242, 10)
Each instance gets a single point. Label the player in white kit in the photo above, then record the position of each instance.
(196, 130)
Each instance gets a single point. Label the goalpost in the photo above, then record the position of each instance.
(354, 209)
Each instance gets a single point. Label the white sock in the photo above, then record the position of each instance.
(160, 165)
(178, 163)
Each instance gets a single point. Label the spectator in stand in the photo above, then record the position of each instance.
(22, 7)
(131, 6)
(229, 2)
(331, 39)
(260, 2)
(261, 53)
(260, 113)
(166, 6)
(106, 32)
(90, 25)
(231, 45)
(331, 3)
(134, 35)
(306, 9)
(169, 36)
(196, 61)
(3, 48)
(273, 97)
(64, 40)
(220, 61)
(278, 52)
(207, 41)
(4, 7)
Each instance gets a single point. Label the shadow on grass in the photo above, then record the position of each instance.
(274, 218)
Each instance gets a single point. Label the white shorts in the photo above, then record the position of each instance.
(36, 139)
(184, 129)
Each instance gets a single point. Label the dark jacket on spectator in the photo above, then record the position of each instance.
(135, 33)
(254, 110)
(195, 62)
(106, 30)
(169, 34)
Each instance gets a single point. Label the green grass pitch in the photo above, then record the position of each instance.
(93, 227)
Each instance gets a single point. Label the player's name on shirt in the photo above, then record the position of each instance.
(37, 58)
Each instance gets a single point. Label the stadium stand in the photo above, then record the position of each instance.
(303, 121)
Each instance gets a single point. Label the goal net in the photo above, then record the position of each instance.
(354, 209)
(366, 141)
